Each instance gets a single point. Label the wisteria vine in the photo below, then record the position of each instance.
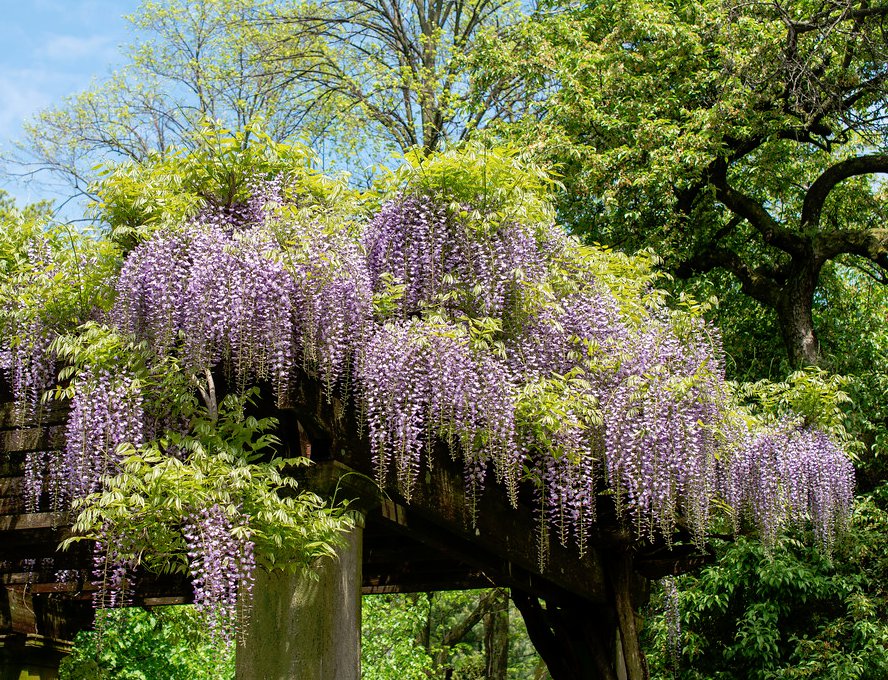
(441, 322)
(479, 328)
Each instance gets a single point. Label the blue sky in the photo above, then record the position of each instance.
(50, 49)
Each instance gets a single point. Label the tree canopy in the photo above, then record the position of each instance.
(747, 137)
(402, 66)
(357, 80)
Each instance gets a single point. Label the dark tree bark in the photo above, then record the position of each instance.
(564, 659)
(579, 639)
(487, 604)
(788, 286)
(794, 307)
(496, 637)
(575, 640)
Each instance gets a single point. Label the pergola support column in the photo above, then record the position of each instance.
(306, 626)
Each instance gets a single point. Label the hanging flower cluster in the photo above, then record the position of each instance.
(221, 567)
(788, 473)
(501, 343)
(415, 242)
(651, 399)
(111, 574)
(106, 411)
(422, 382)
(442, 322)
(26, 358)
(661, 417)
(210, 294)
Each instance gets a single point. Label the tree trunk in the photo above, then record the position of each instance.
(496, 637)
(487, 603)
(575, 639)
(424, 636)
(795, 315)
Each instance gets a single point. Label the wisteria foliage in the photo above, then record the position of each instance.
(497, 338)
(446, 321)
(53, 280)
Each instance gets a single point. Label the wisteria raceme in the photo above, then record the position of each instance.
(673, 618)
(25, 343)
(234, 297)
(263, 195)
(438, 256)
(37, 467)
(421, 381)
(221, 566)
(34, 477)
(661, 415)
(151, 291)
(822, 486)
(30, 364)
(106, 411)
(237, 305)
(332, 299)
(788, 474)
(556, 339)
(111, 573)
(570, 481)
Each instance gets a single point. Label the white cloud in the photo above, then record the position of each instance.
(67, 47)
(22, 93)
(84, 13)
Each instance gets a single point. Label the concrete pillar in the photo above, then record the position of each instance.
(303, 627)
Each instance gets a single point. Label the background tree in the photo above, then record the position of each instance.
(744, 137)
(786, 613)
(459, 634)
(134, 644)
(187, 62)
(401, 66)
(356, 80)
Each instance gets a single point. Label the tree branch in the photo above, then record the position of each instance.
(870, 243)
(757, 283)
(772, 232)
(823, 185)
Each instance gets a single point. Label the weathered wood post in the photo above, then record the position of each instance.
(31, 657)
(306, 626)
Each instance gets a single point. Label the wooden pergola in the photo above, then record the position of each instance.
(579, 611)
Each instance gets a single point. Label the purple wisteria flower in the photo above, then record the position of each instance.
(221, 567)
(500, 344)
(106, 411)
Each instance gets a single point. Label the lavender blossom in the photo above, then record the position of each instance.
(221, 567)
